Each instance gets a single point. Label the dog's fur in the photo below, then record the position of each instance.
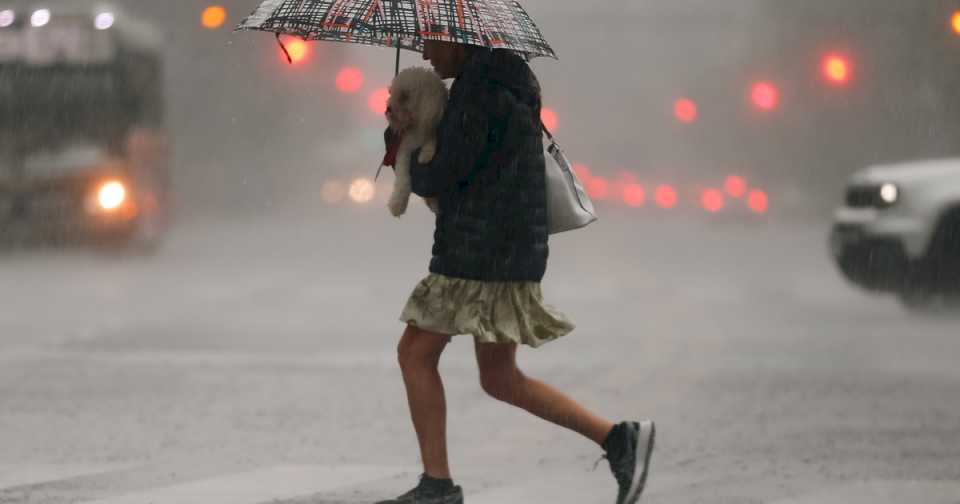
(417, 99)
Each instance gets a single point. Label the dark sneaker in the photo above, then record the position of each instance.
(629, 446)
(430, 491)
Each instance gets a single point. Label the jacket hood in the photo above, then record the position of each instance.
(506, 68)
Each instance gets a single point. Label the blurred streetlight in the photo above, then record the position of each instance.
(378, 101)
(40, 18)
(735, 186)
(598, 188)
(549, 118)
(7, 17)
(296, 48)
(685, 110)
(955, 21)
(349, 80)
(712, 200)
(213, 17)
(104, 21)
(836, 69)
(758, 201)
(765, 96)
(362, 190)
(634, 195)
(665, 196)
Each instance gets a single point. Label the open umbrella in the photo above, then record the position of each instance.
(404, 24)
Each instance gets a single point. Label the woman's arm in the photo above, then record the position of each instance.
(462, 140)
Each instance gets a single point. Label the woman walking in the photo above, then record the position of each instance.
(489, 256)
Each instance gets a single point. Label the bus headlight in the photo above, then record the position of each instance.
(111, 195)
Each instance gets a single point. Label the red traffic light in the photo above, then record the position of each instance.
(758, 201)
(712, 200)
(598, 188)
(735, 186)
(765, 96)
(665, 196)
(634, 195)
(377, 102)
(685, 110)
(349, 80)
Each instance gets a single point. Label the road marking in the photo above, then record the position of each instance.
(256, 487)
(883, 492)
(14, 476)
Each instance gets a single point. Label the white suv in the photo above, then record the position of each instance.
(899, 231)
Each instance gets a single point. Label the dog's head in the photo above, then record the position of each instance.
(417, 99)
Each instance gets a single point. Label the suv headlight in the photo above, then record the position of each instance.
(889, 194)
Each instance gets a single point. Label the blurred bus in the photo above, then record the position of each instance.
(83, 146)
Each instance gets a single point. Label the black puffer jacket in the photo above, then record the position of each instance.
(488, 174)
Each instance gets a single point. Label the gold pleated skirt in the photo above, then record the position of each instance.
(493, 312)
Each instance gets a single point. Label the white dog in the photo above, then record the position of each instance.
(417, 99)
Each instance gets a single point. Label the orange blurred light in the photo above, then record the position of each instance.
(836, 69)
(298, 49)
(634, 195)
(685, 110)
(765, 96)
(758, 201)
(213, 17)
(735, 186)
(349, 80)
(955, 21)
(549, 118)
(378, 101)
(665, 196)
(712, 200)
(598, 188)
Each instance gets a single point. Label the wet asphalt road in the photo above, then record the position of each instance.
(254, 344)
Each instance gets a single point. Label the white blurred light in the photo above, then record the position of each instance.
(889, 193)
(333, 192)
(362, 190)
(112, 195)
(40, 17)
(104, 21)
(7, 17)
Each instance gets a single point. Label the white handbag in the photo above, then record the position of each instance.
(568, 206)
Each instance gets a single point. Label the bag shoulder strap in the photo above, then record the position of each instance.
(545, 130)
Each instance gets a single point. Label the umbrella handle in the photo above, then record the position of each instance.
(396, 69)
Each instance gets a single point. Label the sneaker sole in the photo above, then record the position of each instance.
(648, 433)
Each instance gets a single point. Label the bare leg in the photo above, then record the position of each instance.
(502, 379)
(419, 354)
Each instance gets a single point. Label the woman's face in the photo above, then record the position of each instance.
(446, 57)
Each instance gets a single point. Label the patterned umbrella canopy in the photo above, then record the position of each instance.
(498, 24)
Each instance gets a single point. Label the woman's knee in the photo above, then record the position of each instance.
(501, 384)
(420, 348)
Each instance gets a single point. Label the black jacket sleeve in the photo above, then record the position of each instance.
(462, 140)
